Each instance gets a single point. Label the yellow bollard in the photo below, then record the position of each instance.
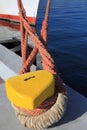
(31, 89)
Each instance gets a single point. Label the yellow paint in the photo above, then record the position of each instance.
(31, 89)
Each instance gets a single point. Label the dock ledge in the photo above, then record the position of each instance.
(75, 116)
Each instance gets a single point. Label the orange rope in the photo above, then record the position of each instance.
(43, 35)
(47, 61)
(26, 27)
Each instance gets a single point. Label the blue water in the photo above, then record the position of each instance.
(67, 40)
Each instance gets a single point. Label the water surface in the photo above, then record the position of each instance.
(67, 40)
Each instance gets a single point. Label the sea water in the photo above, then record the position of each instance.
(67, 40)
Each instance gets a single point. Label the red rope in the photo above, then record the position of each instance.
(47, 61)
(43, 35)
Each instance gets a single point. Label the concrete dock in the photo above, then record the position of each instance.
(75, 117)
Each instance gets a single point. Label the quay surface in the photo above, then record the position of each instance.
(75, 116)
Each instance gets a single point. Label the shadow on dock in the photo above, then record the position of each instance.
(76, 108)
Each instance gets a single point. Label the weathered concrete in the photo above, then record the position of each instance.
(7, 33)
(75, 117)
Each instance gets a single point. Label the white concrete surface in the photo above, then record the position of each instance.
(6, 72)
(75, 117)
(7, 33)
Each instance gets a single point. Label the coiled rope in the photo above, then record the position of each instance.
(51, 110)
